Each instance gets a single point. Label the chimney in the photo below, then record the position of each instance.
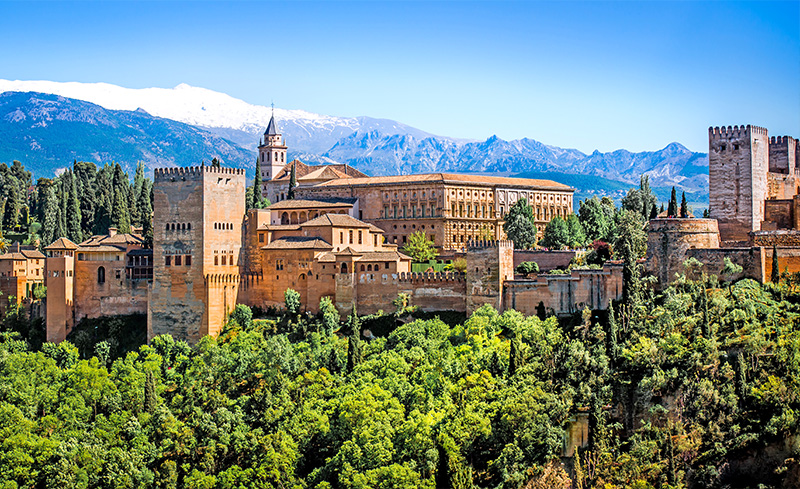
(112, 231)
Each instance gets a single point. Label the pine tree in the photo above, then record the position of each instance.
(74, 231)
(684, 206)
(256, 188)
(672, 210)
(292, 182)
(775, 275)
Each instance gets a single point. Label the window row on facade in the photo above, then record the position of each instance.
(178, 226)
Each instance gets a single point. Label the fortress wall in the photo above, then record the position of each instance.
(788, 260)
(547, 260)
(778, 214)
(750, 259)
(374, 291)
(782, 150)
(566, 294)
(489, 265)
(777, 238)
(114, 296)
(669, 241)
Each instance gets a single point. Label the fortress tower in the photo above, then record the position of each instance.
(489, 265)
(197, 236)
(738, 163)
(60, 282)
(271, 154)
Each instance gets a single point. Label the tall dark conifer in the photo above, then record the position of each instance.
(672, 209)
(50, 215)
(253, 204)
(775, 275)
(74, 231)
(684, 206)
(292, 182)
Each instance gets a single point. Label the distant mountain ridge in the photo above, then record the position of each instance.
(375, 146)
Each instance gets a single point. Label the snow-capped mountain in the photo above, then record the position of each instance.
(375, 146)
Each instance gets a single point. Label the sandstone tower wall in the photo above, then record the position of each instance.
(197, 236)
(668, 241)
(60, 271)
(489, 265)
(738, 160)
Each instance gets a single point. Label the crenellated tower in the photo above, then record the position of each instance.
(738, 163)
(271, 154)
(197, 240)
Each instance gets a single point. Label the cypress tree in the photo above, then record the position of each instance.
(443, 477)
(150, 399)
(684, 206)
(256, 188)
(334, 365)
(11, 210)
(61, 219)
(146, 210)
(74, 231)
(514, 357)
(672, 209)
(292, 182)
(50, 216)
(775, 276)
(120, 217)
(613, 332)
(138, 185)
(353, 340)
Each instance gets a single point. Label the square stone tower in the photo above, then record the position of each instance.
(738, 163)
(197, 241)
(489, 265)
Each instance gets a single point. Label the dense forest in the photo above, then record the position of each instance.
(80, 202)
(697, 387)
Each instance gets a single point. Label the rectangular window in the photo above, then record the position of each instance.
(188, 260)
(177, 260)
(351, 236)
(341, 237)
(167, 261)
(118, 273)
(359, 237)
(387, 265)
(224, 260)
(216, 260)
(260, 237)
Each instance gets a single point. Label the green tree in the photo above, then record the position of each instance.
(556, 234)
(577, 234)
(291, 300)
(292, 182)
(649, 199)
(672, 209)
(256, 197)
(243, 316)
(520, 226)
(597, 218)
(630, 246)
(74, 231)
(11, 211)
(215, 163)
(775, 274)
(527, 267)
(420, 248)
(633, 201)
(684, 206)
(330, 316)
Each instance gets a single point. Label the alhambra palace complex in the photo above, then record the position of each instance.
(340, 236)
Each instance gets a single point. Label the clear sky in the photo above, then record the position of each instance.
(586, 75)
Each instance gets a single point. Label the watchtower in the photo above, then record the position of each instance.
(60, 282)
(271, 154)
(738, 163)
(197, 239)
(489, 265)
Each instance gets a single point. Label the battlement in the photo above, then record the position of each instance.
(715, 133)
(165, 174)
(485, 244)
(782, 140)
(431, 278)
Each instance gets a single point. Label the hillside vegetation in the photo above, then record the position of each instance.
(697, 387)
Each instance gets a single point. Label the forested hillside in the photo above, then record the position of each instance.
(694, 388)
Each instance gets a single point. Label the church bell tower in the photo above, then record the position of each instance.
(271, 154)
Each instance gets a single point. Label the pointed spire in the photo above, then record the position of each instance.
(272, 129)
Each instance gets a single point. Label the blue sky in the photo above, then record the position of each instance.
(586, 75)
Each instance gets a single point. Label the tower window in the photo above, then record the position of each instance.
(167, 262)
(101, 275)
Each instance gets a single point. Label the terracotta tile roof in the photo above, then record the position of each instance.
(348, 252)
(297, 243)
(32, 254)
(12, 256)
(326, 257)
(312, 204)
(103, 248)
(383, 256)
(336, 220)
(450, 178)
(281, 227)
(117, 239)
(302, 170)
(62, 244)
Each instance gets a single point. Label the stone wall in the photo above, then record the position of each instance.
(489, 265)
(115, 295)
(738, 165)
(566, 294)
(59, 273)
(778, 214)
(776, 238)
(750, 259)
(788, 260)
(782, 150)
(669, 240)
(547, 260)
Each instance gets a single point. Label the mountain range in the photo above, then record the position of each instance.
(48, 124)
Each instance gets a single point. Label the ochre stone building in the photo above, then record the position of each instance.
(754, 205)
(21, 271)
(451, 209)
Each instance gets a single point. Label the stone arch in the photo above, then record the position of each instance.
(344, 267)
(293, 218)
(285, 218)
(101, 275)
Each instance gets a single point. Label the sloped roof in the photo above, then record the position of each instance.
(117, 242)
(32, 254)
(272, 128)
(12, 256)
(308, 204)
(383, 256)
(62, 244)
(302, 170)
(348, 252)
(337, 220)
(297, 242)
(451, 178)
(280, 227)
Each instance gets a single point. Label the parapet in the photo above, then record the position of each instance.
(485, 244)
(166, 174)
(433, 277)
(782, 140)
(735, 132)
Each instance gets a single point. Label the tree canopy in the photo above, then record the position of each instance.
(520, 226)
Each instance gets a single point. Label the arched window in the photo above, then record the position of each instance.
(302, 277)
(369, 268)
(344, 267)
(285, 218)
(363, 269)
(101, 275)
